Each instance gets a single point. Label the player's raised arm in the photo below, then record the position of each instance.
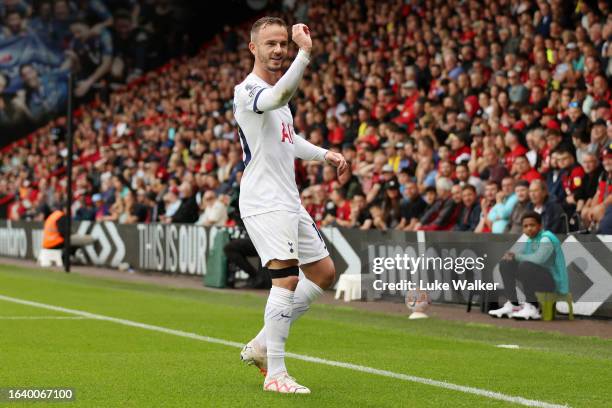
(267, 50)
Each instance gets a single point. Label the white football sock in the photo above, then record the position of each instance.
(277, 320)
(306, 292)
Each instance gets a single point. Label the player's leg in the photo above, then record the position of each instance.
(271, 234)
(277, 322)
(319, 270)
(318, 275)
(315, 262)
(277, 317)
(508, 271)
(275, 236)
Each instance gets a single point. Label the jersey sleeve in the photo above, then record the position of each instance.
(247, 95)
(261, 99)
(308, 151)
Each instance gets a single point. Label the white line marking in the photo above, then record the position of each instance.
(355, 367)
(42, 317)
(508, 346)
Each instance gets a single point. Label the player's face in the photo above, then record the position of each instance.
(271, 47)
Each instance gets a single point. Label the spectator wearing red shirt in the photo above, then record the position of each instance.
(572, 173)
(516, 149)
(335, 132)
(338, 210)
(522, 170)
(460, 151)
(407, 114)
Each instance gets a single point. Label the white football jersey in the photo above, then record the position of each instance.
(267, 139)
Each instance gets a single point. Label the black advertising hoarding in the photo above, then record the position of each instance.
(183, 249)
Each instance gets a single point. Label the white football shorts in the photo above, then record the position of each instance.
(286, 235)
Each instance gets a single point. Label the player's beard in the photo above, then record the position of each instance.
(271, 64)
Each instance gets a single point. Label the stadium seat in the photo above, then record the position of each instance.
(47, 257)
(548, 301)
(354, 286)
(350, 285)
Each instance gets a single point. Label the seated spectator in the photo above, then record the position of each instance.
(595, 208)
(489, 167)
(599, 138)
(141, 209)
(376, 218)
(443, 214)
(469, 216)
(101, 209)
(86, 212)
(590, 181)
(540, 267)
(554, 182)
(521, 190)
(359, 211)
(171, 205)
(551, 212)
(522, 170)
(215, 210)
(116, 209)
(411, 207)
(464, 178)
(338, 210)
(572, 176)
(515, 148)
(487, 202)
(460, 151)
(187, 212)
(349, 183)
(505, 200)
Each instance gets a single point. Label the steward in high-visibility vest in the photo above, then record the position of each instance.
(52, 235)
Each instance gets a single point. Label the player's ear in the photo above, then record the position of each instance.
(252, 47)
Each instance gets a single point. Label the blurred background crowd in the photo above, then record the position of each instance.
(105, 43)
(454, 115)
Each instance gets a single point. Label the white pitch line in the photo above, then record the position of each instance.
(364, 369)
(42, 317)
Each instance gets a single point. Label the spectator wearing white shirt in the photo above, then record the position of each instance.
(215, 210)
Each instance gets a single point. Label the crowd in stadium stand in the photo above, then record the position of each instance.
(454, 115)
(104, 43)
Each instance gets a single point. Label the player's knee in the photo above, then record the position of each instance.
(328, 275)
(284, 276)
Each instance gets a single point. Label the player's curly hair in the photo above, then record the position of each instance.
(265, 21)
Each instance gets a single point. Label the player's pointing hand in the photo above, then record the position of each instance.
(300, 34)
(337, 160)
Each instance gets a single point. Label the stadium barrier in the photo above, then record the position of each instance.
(184, 248)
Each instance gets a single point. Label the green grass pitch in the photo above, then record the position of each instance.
(114, 365)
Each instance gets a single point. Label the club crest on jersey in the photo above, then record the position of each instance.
(287, 133)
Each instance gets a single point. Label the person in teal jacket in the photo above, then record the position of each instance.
(499, 216)
(540, 267)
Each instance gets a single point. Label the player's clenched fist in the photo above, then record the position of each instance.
(300, 34)
(337, 160)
